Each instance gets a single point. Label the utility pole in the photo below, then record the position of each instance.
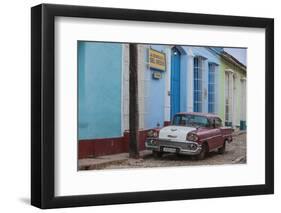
(133, 104)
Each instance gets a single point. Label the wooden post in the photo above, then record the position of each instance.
(133, 104)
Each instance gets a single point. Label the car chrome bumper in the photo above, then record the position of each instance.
(181, 147)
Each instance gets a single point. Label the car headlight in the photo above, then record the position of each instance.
(155, 134)
(191, 137)
(152, 133)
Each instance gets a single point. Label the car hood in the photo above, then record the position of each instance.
(176, 133)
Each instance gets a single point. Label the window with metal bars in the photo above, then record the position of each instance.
(197, 85)
(211, 87)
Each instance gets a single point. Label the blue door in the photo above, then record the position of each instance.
(175, 82)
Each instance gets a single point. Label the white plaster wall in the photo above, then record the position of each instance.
(218, 90)
(167, 74)
(190, 67)
(141, 83)
(125, 87)
(141, 80)
(205, 86)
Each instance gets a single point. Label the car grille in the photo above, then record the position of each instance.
(173, 144)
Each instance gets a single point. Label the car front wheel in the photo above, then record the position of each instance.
(203, 152)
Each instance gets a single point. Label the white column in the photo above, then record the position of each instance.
(141, 82)
(229, 94)
(125, 86)
(243, 99)
(167, 91)
(125, 89)
(190, 80)
(146, 83)
(217, 90)
(235, 100)
(231, 115)
(205, 71)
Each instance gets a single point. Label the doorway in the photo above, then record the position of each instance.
(175, 81)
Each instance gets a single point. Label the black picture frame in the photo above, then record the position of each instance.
(43, 105)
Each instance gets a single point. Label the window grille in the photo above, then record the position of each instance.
(197, 86)
(211, 87)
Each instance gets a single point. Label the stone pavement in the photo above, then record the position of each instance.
(235, 154)
(101, 162)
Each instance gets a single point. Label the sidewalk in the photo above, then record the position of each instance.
(106, 160)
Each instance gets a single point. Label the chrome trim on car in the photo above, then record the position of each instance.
(181, 147)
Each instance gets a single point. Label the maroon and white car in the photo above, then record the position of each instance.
(191, 134)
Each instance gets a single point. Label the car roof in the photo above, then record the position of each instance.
(209, 115)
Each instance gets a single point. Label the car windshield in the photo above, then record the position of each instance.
(190, 120)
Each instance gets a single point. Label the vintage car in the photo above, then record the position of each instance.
(190, 133)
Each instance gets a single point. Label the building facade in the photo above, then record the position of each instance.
(235, 91)
(171, 79)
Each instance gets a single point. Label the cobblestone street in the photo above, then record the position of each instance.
(235, 154)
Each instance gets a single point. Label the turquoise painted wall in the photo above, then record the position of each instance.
(99, 90)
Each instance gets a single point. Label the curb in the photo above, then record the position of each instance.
(102, 165)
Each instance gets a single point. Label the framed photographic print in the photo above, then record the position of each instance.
(139, 106)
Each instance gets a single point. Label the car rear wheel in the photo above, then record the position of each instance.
(222, 149)
(203, 152)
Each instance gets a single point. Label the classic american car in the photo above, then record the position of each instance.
(190, 133)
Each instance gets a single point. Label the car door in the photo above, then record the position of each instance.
(219, 136)
(215, 138)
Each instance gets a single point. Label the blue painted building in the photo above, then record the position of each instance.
(153, 90)
(189, 83)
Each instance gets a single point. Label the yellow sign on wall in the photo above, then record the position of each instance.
(157, 60)
(156, 75)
